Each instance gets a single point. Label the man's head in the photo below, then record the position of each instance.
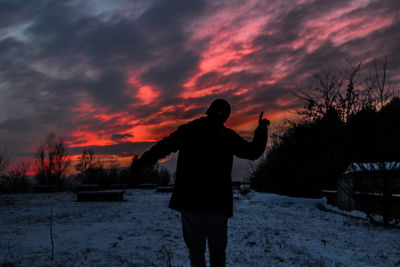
(219, 110)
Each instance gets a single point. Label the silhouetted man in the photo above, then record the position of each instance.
(203, 188)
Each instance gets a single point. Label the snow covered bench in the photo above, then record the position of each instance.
(44, 188)
(106, 195)
(165, 189)
(148, 186)
(119, 186)
(86, 187)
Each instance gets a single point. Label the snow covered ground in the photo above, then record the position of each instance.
(266, 230)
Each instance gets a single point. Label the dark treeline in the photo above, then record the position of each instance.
(344, 120)
(52, 162)
(91, 170)
(13, 179)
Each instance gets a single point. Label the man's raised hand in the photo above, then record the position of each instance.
(263, 122)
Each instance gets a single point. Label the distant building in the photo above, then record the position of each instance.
(368, 183)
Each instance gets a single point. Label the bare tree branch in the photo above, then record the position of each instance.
(52, 160)
(4, 160)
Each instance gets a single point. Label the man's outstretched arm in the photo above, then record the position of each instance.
(160, 150)
(254, 149)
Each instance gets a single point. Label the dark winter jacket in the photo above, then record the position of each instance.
(203, 174)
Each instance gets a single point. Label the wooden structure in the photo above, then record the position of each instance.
(367, 185)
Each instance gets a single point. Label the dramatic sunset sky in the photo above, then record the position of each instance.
(116, 75)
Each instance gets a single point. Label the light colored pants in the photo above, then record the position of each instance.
(199, 226)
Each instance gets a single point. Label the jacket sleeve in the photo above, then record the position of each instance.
(251, 150)
(163, 148)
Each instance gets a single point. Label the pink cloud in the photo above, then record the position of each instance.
(148, 94)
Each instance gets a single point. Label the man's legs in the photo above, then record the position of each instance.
(196, 226)
(195, 238)
(216, 228)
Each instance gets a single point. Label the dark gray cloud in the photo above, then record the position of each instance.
(108, 90)
(171, 76)
(237, 79)
(120, 136)
(121, 149)
(16, 13)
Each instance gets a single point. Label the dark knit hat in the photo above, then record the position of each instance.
(219, 109)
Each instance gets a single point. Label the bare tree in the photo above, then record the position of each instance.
(40, 164)
(333, 91)
(17, 179)
(322, 97)
(113, 169)
(378, 82)
(90, 167)
(349, 97)
(20, 170)
(4, 160)
(52, 160)
(85, 161)
(61, 157)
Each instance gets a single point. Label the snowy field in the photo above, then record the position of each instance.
(266, 230)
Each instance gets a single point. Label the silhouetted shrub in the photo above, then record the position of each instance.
(340, 123)
(154, 174)
(16, 179)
